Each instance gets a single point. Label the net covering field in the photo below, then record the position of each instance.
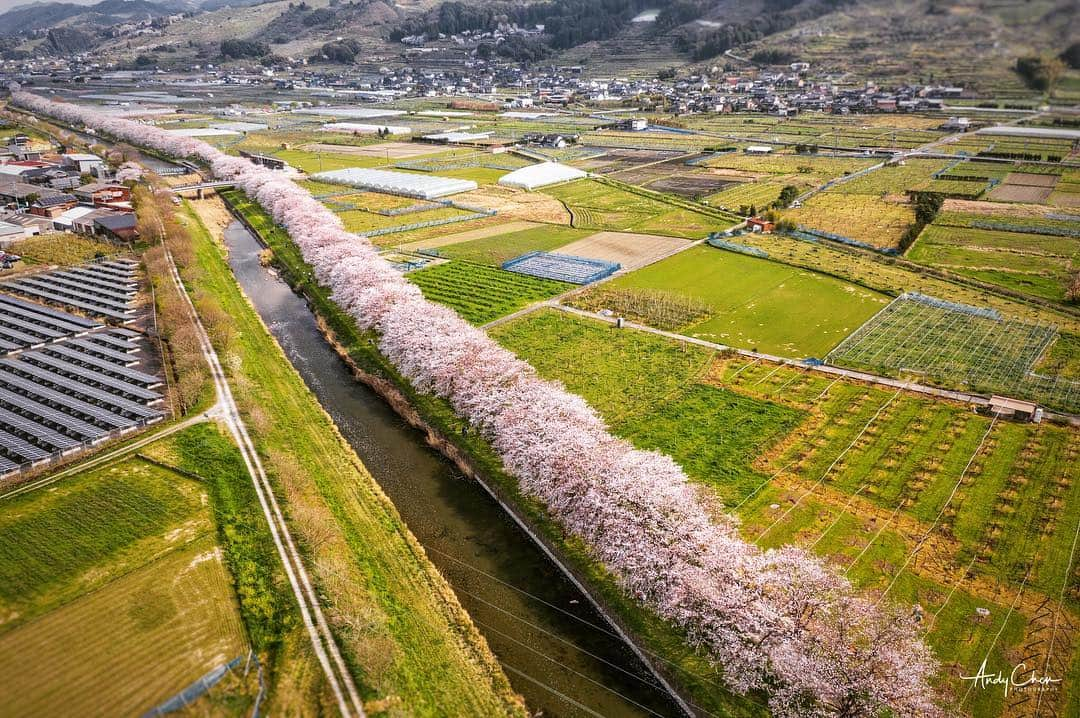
(958, 346)
(562, 267)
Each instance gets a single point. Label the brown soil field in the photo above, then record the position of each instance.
(1019, 193)
(982, 207)
(1031, 179)
(628, 249)
(689, 185)
(479, 233)
(394, 150)
(517, 204)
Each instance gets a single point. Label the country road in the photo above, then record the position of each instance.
(226, 410)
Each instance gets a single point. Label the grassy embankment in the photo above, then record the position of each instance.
(403, 633)
(690, 670)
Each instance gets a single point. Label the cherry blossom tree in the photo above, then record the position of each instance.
(778, 621)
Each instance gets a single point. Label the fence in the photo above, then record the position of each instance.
(809, 234)
(720, 243)
(984, 312)
(1027, 228)
(194, 691)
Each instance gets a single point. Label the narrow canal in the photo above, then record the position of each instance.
(557, 651)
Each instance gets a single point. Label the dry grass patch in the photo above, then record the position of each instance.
(628, 249)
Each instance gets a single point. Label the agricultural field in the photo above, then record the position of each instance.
(958, 346)
(862, 217)
(997, 250)
(893, 179)
(498, 248)
(113, 573)
(595, 205)
(66, 249)
(481, 293)
(755, 303)
(813, 168)
(758, 195)
(911, 498)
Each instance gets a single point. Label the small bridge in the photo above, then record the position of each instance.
(200, 188)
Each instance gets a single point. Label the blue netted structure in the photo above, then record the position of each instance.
(561, 267)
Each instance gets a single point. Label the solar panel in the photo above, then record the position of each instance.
(113, 342)
(97, 282)
(129, 375)
(44, 377)
(40, 411)
(102, 352)
(89, 275)
(121, 297)
(7, 346)
(114, 269)
(110, 274)
(6, 466)
(29, 327)
(71, 319)
(49, 286)
(90, 412)
(122, 333)
(21, 426)
(14, 446)
(87, 376)
(85, 306)
(14, 335)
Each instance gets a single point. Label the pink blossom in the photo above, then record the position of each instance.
(778, 621)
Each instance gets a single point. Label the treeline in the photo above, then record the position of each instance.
(567, 23)
(926, 205)
(185, 363)
(702, 43)
(244, 48)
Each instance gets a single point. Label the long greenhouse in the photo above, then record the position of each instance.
(401, 183)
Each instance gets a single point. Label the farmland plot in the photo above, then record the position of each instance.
(858, 475)
(863, 217)
(481, 293)
(759, 304)
(114, 594)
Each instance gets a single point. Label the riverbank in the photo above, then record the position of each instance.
(406, 638)
(660, 644)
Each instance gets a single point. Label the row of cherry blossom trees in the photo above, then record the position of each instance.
(777, 621)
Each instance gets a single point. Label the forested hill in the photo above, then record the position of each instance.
(569, 23)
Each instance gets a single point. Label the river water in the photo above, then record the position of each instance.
(557, 651)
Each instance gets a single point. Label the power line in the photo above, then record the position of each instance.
(563, 611)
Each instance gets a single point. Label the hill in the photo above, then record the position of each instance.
(43, 16)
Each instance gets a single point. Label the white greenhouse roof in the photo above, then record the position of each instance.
(424, 186)
(366, 129)
(1053, 133)
(459, 136)
(541, 175)
(240, 126)
(356, 113)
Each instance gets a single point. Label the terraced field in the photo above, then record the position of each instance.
(1033, 263)
(480, 292)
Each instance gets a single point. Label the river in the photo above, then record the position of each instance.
(558, 652)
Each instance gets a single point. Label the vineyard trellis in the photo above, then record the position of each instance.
(956, 344)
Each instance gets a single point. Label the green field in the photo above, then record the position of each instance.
(499, 248)
(1035, 264)
(481, 293)
(113, 573)
(415, 641)
(603, 206)
(856, 473)
(760, 304)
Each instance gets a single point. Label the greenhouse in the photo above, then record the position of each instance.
(355, 113)
(365, 128)
(541, 175)
(401, 183)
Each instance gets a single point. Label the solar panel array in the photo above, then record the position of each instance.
(68, 381)
(106, 288)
